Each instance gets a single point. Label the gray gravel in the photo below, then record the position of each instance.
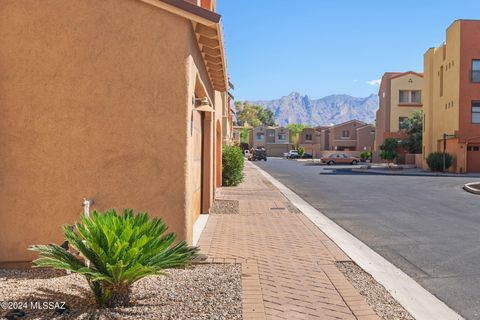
(204, 291)
(376, 295)
(225, 207)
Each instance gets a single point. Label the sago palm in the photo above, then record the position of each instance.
(115, 251)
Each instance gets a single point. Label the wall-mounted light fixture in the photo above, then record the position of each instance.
(204, 106)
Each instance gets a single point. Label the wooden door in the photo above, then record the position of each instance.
(473, 158)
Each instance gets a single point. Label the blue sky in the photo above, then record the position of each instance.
(323, 47)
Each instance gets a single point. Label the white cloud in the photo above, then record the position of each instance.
(374, 82)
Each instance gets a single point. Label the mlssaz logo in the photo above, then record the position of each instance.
(46, 305)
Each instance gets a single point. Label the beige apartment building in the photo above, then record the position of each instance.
(276, 140)
(452, 97)
(121, 102)
(343, 137)
(400, 95)
(351, 136)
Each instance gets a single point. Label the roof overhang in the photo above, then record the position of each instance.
(210, 42)
(208, 30)
(347, 122)
(407, 73)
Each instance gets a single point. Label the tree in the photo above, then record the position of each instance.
(296, 129)
(301, 151)
(244, 135)
(389, 149)
(414, 129)
(254, 115)
(266, 117)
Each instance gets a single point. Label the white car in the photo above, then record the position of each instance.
(292, 154)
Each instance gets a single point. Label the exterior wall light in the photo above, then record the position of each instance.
(204, 106)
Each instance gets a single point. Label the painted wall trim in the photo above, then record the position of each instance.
(198, 227)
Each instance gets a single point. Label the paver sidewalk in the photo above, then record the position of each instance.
(288, 269)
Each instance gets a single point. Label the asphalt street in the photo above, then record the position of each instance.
(427, 226)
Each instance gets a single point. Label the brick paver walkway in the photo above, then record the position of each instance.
(288, 269)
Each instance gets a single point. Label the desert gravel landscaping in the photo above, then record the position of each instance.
(376, 295)
(203, 291)
(225, 207)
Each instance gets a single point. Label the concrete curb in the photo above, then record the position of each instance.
(421, 304)
(468, 187)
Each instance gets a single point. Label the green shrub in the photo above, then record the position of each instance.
(301, 151)
(435, 161)
(120, 249)
(366, 155)
(232, 166)
(389, 149)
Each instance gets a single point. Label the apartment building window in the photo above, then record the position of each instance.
(476, 112)
(402, 123)
(271, 134)
(345, 134)
(417, 96)
(260, 136)
(308, 137)
(282, 136)
(476, 71)
(410, 97)
(403, 96)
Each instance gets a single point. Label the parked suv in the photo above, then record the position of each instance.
(258, 154)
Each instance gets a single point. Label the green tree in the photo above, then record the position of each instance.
(301, 151)
(244, 135)
(120, 249)
(389, 149)
(296, 129)
(414, 129)
(254, 115)
(266, 117)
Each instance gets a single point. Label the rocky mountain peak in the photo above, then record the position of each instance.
(333, 109)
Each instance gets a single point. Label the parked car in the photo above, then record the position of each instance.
(307, 155)
(340, 158)
(246, 153)
(292, 154)
(258, 154)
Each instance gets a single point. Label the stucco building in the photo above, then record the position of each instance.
(400, 95)
(452, 96)
(122, 102)
(343, 136)
(351, 136)
(276, 140)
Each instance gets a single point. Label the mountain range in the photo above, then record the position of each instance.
(333, 109)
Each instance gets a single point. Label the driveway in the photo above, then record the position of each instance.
(427, 226)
